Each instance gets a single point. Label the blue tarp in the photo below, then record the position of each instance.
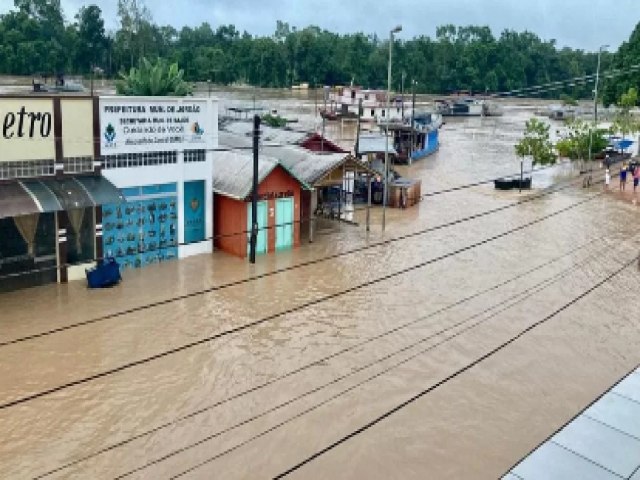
(622, 144)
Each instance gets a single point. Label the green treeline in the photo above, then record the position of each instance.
(37, 37)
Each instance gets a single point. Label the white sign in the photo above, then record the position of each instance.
(133, 124)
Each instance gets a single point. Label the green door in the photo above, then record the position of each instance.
(261, 244)
(284, 223)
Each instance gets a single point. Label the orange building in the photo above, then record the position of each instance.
(279, 204)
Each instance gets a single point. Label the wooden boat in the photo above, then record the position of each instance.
(503, 184)
(512, 183)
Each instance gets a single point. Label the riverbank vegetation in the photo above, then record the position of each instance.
(36, 36)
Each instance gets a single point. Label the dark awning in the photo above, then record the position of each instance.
(46, 200)
(15, 201)
(23, 197)
(101, 190)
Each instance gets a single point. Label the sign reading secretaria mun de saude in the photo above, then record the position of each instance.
(131, 125)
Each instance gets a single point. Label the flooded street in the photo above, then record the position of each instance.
(213, 368)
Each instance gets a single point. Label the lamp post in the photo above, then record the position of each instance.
(385, 194)
(595, 103)
(595, 111)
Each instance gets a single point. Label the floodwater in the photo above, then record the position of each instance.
(353, 366)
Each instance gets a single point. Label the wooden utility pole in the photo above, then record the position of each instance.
(254, 196)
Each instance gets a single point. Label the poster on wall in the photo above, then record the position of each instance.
(143, 230)
(194, 211)
(137, 125)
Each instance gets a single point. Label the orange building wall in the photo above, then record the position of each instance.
(230, 216)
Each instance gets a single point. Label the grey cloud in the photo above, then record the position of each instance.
(584, 24)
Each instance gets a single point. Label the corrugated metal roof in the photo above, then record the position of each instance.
(312, 167)
(308, 166)
(233, 173)
(279, 136)
(374, 144)
(232, 140)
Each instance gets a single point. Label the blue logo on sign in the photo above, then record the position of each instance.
(110, 133)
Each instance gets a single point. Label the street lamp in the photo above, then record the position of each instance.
(595, 110)
(595, 103)
(385, 194)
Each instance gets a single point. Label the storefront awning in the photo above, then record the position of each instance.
(15, 201)
(24, 197)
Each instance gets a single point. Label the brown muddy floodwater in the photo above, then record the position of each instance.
(93, 387)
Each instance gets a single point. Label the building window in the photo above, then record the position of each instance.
(80, 236)
(78, 164)
(373, 112)
(21, 266)
(26, 169)
(195, 156)
(145, 159)
(366, 96)
(384, 112)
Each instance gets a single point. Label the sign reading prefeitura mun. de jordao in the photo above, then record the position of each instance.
(144, 124)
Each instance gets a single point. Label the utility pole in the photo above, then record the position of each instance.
(402, 95)
(413, 119)
(385, 185)
(324, 119)
(92, 73)
(357, 148)
(254, 196)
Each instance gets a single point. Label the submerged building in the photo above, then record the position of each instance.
(84, 178)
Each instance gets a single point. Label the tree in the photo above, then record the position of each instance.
(536, 143)
(625, 122)
(135, 26)
(92, 42)
(582, 142)
(153, 79)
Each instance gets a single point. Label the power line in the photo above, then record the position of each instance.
(255, 323)
(456, 374)
(246, 232)
(281, 270)
(518, 297)
(527, 294)
(318, 361)
(553, 86)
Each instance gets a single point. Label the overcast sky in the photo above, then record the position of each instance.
(584, 24)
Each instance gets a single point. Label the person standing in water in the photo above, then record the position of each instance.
(623, 177)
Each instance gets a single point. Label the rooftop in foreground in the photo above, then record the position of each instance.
(601, 443)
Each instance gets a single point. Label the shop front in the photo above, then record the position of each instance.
(51, 190)
(158, 152)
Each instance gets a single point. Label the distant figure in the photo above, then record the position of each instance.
(636, 178)
(607, 179)
(623, 177)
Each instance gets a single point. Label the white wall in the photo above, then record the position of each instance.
(179, 173)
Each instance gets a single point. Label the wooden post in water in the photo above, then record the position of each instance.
(369, 202)
(312, 213)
